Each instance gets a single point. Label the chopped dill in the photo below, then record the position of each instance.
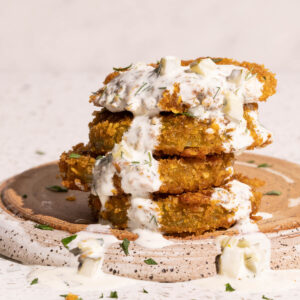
(140, 88)
(122, 69)
(216, 92)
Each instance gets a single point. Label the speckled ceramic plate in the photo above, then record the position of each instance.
(25, 200)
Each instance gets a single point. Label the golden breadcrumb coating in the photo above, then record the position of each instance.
(107, 129)
(177, 175)
(180, 134)
(189, 212)
(173, 102)
(77, 173)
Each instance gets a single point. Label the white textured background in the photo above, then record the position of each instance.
(54, 53)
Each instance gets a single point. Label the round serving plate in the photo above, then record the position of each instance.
(26, 201)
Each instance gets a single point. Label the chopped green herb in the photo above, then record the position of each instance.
(135, 162)
(251, 161)
(154, 219)
(229, 288)
(140, 88)
(144, 291)
(216, 60)
(158, 69)
(162, 87)
(122, 69)
(57, 189)
(124, 245)
(150, 261)
(34, 281)
(74, 155)
(100, 297)
(187, 114)
(99, 157)
(24, 196)
(264, 165)
(266, 298)
(264, 77)
(150, 159)
(273, 193)
(39, 152)
(216, 92)
(113, 294)
(68, 240)
(43, 227)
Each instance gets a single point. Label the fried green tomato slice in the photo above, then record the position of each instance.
(178, 175)
(187, 213)
(180, 134)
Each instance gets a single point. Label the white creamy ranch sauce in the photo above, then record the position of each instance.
(65, 278)
(143, 219)
(236, 198)
(134, 158)
(141, 87)
(139, 174)
(268, 282)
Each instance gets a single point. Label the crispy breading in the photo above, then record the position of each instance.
(189, 174)
(107, 129)
(173, 102)
(177, 175)
(180, 134)
(77, 172)
(184, 213)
